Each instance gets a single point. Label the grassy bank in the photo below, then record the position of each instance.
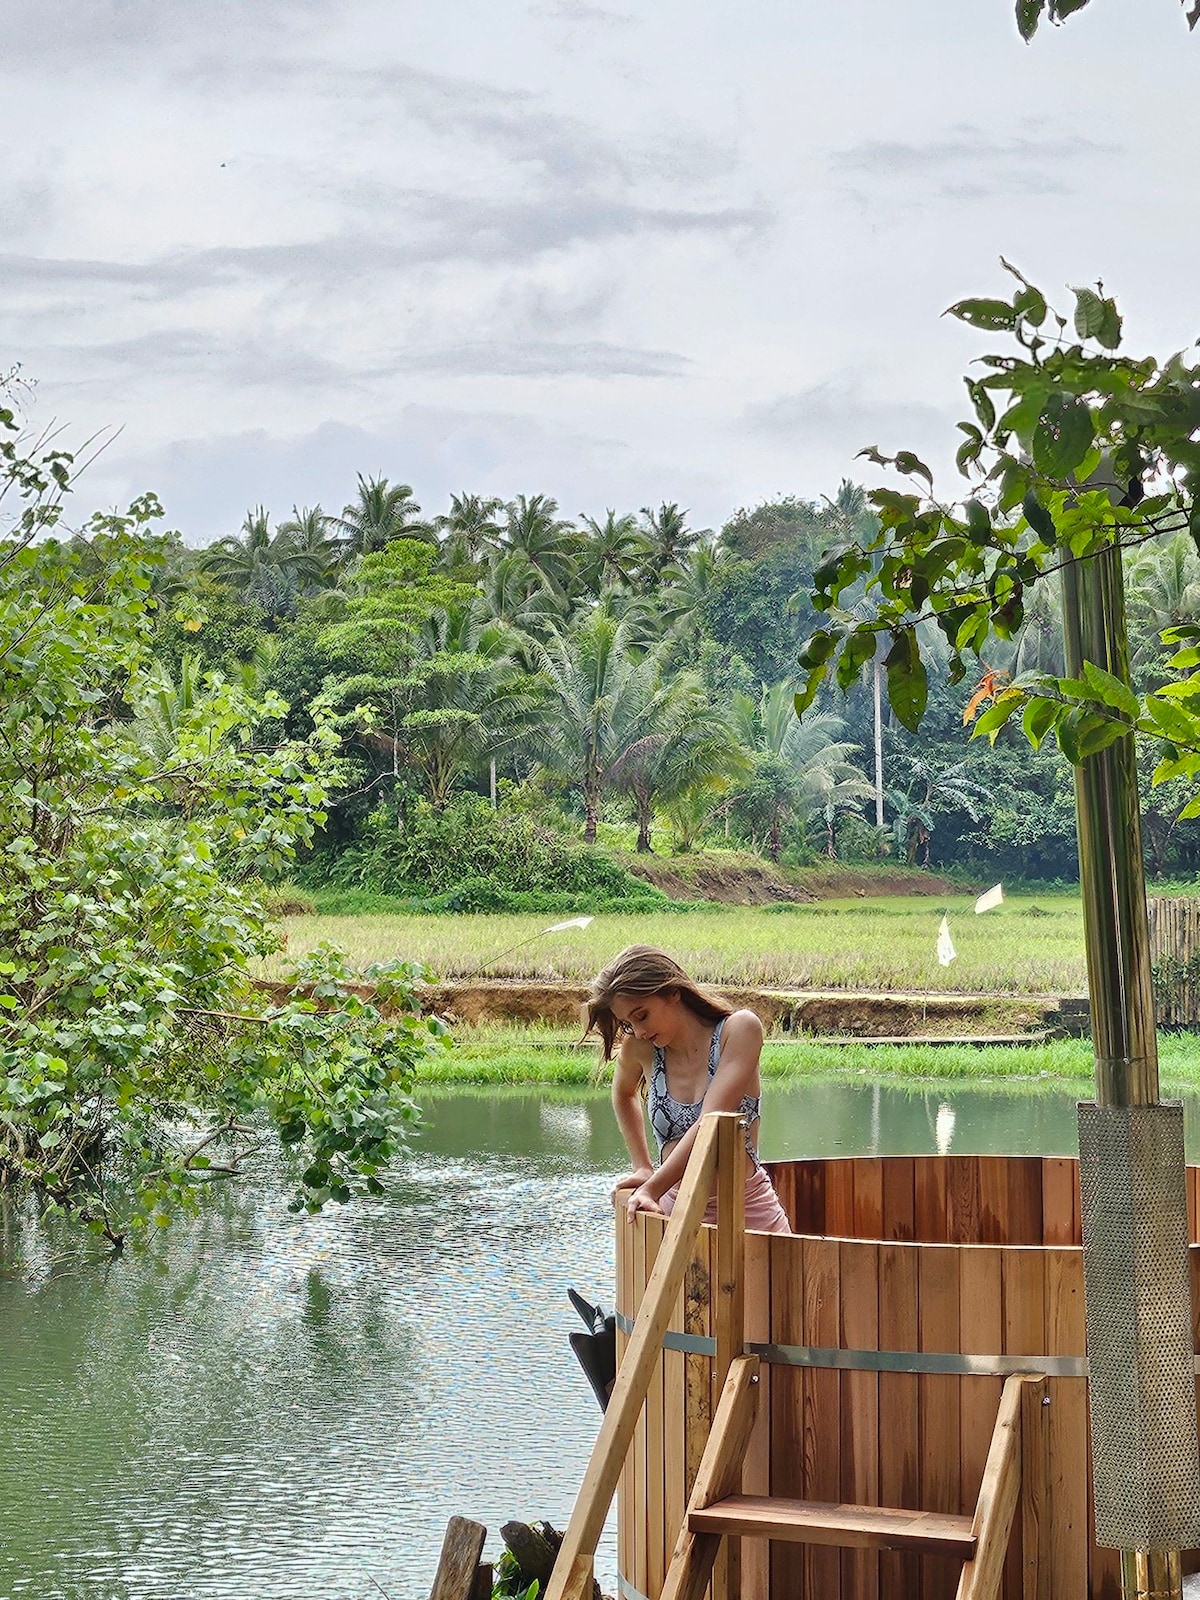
(1033, 944)
(513, 1055)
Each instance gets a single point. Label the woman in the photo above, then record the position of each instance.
(681, 1053)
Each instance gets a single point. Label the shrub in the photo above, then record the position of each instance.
(469, 858)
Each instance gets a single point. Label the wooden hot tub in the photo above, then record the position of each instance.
(930, 1260)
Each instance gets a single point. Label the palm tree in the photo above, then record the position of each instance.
(470, 530)
(308, 532)
(932, 791)
(614, 553)
(604, 698)
(383, 511)
(266, 567)
(534, 529)
(693, 745)
(671, 540)
(799, 769)
(512, 590)
(1164, 591)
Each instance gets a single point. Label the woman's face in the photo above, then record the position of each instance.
(653, 1018)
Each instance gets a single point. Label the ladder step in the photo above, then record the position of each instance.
(819, 1522)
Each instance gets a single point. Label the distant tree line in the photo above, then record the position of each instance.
(627, 671)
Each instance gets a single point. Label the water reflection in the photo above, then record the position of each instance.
(264, 1405)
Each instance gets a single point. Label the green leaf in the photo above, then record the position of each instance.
(1174, 722)
(1040, 716)
(912, 466)
(1030, 306)
(1039, 519)
(996, 715)
(1109, 331)
(982, 401)
(908, 683)
(1097, 733)
(1028, 15)
(996, 316)
(1089, 313)
(1110, 690)
(979, 524)
(1063, 435)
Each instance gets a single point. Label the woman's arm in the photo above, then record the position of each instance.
(628, 1076)
(737, 1075)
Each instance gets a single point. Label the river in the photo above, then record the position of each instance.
(264, 1407)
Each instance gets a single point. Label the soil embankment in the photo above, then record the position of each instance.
(824, 1012)
(740, 879)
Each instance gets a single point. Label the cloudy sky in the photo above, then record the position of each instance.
(668, 249)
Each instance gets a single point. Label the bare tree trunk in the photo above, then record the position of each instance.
(878, 675)
(492, 778)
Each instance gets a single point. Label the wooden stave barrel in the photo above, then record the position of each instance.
(891, 1263)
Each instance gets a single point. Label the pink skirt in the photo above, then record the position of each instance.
(764, 1214)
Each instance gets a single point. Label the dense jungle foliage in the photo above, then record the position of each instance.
(502, 681)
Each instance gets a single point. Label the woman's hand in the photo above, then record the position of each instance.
(642, 1200)
(631, 1180)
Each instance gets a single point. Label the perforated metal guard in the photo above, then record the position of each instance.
(1139, 1327)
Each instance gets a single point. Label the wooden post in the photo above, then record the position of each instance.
(730, 1309)
(572, 1576)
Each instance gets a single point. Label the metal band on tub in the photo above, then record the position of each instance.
(946, 1363)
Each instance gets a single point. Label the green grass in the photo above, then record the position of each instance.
(523, 1055)
(1033, 944)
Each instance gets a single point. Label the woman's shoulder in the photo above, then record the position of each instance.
(635, 1055)
(742, 1027)
(743, 1031)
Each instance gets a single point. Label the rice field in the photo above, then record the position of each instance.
(1031, 945)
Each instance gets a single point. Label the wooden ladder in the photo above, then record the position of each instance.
(718, 1511)
(718, 1514)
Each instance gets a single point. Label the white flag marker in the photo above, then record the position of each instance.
(946, 952)
(575, 922)
(988, 902)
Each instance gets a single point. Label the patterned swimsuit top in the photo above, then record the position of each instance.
(671, 1118)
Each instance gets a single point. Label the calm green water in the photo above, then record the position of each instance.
(267, 1408)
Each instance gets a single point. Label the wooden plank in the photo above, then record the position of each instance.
(1067, 1415)
(822, 1404)
(993, 1200)
(787, 1403)
(981, 1332)
(868, 1198)
(839, 1198)
(719, 1474)
(810, 1197)
(657, 1543)
(729, 1308)
(627, 1299)
(899, 1429)
(824, 1524)
(938, 1396)
(1060, 1179)
(572, 1576)
(899, 1198)
(674, 1433)
(859, 1279)
(459, 1560)
(637, 1447)
(1024, 1174)
(962, 1199)
(1037, 1530)
(929, 1199)
(997, 1503)
(729, 1297)
(756, 1476)
(1024, 1334)
(697, 1402)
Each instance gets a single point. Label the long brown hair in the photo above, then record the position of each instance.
(641, 969)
